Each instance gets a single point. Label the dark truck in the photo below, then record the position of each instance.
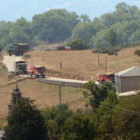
(18, 49)
(20, 66)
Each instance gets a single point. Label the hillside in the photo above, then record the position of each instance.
(43, 94)
(82, 64)
(76, 64)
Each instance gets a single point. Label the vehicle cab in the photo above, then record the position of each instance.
(37, 71)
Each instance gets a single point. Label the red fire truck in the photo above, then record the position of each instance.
(37, 71)
(103, 78)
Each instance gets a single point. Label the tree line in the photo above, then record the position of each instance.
(106, 118)
(58, 25)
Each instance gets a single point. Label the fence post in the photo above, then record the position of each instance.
(59, 92)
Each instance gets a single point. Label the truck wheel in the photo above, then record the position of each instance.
(9, 54)
(43, 76)
(36, 75)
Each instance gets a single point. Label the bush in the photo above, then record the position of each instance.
(105, 51)
(27, 56)
(110, 52)
(77, 44)
(95, 51)
(137, 52)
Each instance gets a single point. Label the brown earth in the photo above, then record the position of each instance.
(75, 65)
(43, 94)
(82, 64)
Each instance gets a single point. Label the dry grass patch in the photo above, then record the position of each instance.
(83, 63)
(43, 94)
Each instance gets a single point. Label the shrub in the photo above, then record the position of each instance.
(77, 44)
(110, 52)
(27, 56)
(95, 51)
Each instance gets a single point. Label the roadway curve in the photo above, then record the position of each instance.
(8, 61)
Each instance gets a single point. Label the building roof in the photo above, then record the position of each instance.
(133, 71)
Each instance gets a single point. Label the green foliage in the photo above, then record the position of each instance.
(137, 52)
(55, 117)
(3, 69)
(112, 37)
(58, 25)
(98, 93)
(77, 44)
(126, 118)
(54, 25)
(108, 50)
(79, 126)
(104, 116)
(1, 123)
(27, 56)
(83, 31)
(25, 122)
(85, 18)
(101, 37)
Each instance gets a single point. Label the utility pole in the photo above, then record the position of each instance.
(98, 58)
(59, 93)
(98, 44)
(106, 65)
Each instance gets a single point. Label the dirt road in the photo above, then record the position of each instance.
(9, 62)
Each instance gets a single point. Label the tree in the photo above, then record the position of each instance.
(101, 37)
(98, 93)
(108, 19)
(122, 7)
(112, 37)
(79, 127)
(97, 25)
(55, 118)
(77, 44)
(55, 25)
(26, 122)
(104, 116)
(83, 31)
(137, 53)
(85, 18)
(126, 118)
(134, 37)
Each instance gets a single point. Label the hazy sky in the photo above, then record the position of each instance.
(11, 10)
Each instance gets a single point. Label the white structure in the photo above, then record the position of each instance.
(127, 80)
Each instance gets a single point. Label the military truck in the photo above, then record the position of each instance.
(18, 49)
(20, 66)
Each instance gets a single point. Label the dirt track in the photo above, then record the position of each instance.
(9, 62)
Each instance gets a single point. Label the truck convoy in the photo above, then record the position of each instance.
(18, 49)
(37, 71)
(21, 69)
(103, 78)
(20, 66)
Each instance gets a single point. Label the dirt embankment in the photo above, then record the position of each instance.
(82, 65)
(54, 73)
